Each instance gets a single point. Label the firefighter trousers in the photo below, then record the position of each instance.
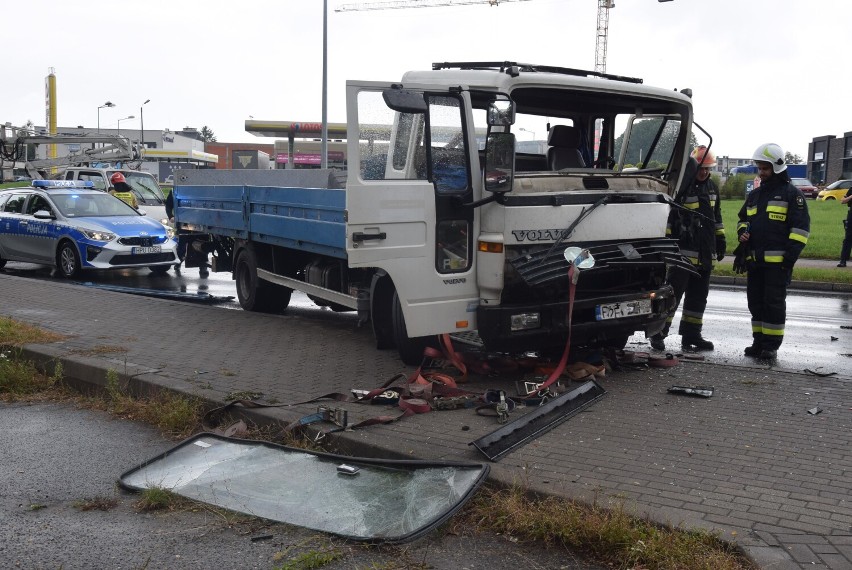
(766, 290)
(693, 290)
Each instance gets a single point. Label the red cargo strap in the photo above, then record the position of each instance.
(557, 372)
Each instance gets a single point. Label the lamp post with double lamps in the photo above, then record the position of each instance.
(107, 104)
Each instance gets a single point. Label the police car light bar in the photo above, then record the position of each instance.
(63, 184)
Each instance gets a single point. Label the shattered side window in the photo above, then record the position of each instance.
(650, 141)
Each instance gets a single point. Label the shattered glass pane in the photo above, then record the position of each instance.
(385, 501)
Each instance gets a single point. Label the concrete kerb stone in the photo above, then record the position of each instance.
(794, 285)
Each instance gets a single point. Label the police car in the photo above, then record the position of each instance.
(74, 227)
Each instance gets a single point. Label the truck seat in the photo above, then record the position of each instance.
(564, 151)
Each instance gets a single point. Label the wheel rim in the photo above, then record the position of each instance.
(67, 260)
(243, 285)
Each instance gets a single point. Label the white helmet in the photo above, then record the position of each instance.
(773, 154)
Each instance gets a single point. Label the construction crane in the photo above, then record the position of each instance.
(604, 7)
(398, 4)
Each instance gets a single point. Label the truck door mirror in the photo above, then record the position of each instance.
(404, 101)
(501, 113)
(499, 162)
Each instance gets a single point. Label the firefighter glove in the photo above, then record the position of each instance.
(721, 247)
(739, 259)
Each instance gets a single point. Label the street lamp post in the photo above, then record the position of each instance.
(142, 128)
(528, 131)
(118, 123)
(107, 104)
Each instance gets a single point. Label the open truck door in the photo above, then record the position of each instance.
(413, 173)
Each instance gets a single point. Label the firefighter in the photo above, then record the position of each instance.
(122, 190)
(774, 226)
(700, 233)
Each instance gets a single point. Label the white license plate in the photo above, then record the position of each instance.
(141, 250)
(624, 309)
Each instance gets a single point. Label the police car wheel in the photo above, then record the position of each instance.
(68, 260)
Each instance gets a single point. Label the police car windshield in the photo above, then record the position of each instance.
(91, 204)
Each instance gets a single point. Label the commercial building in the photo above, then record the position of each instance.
(830, 158)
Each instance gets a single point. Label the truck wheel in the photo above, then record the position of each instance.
(68, 260)
(410, 349)
(255, 294)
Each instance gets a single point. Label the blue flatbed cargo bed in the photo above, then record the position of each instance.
(303, 210)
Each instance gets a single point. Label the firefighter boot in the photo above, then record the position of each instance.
(657, 342)
(753, 350)
(696, 341)
(768, 354)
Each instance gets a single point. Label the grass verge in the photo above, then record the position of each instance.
(606, 534)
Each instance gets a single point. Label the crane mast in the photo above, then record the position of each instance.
(602, 34)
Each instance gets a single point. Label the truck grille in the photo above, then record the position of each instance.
(548, 265)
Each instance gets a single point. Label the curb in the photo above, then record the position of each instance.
(796, 285)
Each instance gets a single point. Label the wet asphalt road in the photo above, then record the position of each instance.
(813, 319)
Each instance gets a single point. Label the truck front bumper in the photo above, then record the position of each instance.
(495, 326)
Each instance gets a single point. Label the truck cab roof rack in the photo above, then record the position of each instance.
(514, 68)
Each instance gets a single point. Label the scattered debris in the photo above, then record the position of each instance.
(700, 391)
(820, 374)
(814, 411)
(663, 361)
(833, 338)
(540, 420)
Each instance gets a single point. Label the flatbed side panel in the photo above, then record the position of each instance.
(211, 209)
(310, 219)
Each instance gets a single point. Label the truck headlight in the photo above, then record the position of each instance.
(97, 235)
(525, 321)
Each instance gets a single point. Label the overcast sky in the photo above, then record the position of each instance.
(761, 70)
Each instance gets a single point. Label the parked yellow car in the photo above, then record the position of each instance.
(835, 190)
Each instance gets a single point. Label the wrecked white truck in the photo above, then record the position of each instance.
(445, 222)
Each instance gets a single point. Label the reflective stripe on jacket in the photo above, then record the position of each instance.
(777, 219)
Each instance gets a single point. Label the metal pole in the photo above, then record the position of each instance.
(142, 128)
(324, 150)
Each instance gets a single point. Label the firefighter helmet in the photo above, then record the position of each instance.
(116, 178)
(773, 154)
(705, 157)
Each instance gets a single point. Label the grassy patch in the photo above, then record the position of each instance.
(175, 415)
(16, 333)
(20, 378)
(96, 504)
(158, 499)
(826, 227)
(307, 559)
(609, 535)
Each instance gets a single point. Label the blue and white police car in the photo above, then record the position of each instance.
(74, 227)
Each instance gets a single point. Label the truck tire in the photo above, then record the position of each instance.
(255, 294)
(410, 349)
(68, 260)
